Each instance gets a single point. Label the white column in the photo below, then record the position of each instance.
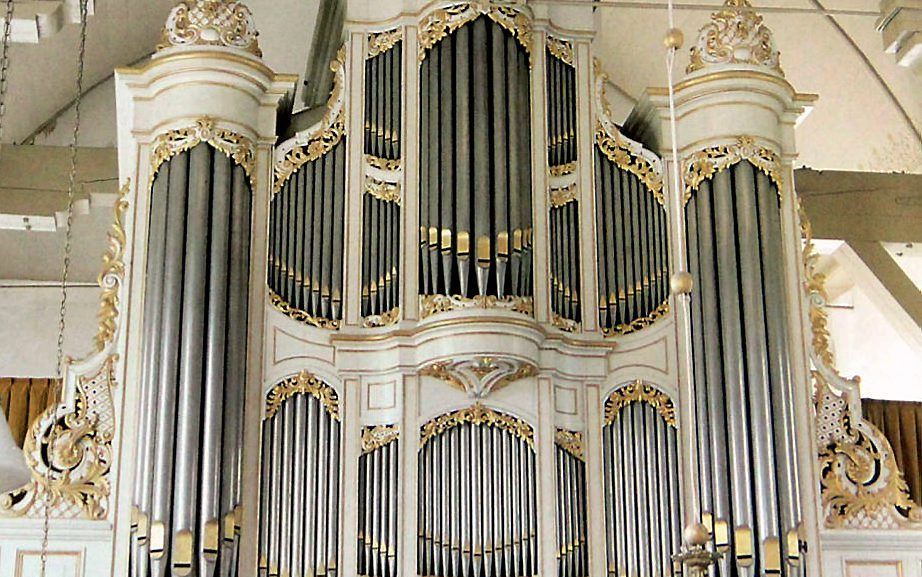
(595, 481)
(409, 489)
(547, 474)
(352, 448)
(409, 145)
(585, 122)
(540, 219)
(354, 108)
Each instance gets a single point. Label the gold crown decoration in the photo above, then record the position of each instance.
(211, 23)
(735, 35)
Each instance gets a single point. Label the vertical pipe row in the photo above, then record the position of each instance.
(560, 88)
(378, 510)
(572, 552)
(565, 260)
(383, 77)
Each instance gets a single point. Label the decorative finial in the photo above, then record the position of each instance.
(735, 35)
(211, 23)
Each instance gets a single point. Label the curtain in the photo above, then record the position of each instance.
(901, 423)
(23, 400)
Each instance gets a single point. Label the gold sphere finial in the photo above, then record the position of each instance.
(681, 283)
(696, 534)
(674, 39)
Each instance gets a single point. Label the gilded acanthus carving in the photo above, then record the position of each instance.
(638, 323)
(704, 164)
(442, 22)
(861, 485)
(382, 190)
(384, 164)
(384, 319)
(373, 438)
(211, 23)
(432, 304)
(322, 137)
(621, 154)
(639, 392)
(239, 148)
(735, 35)
(564, 324)
(476, 414)
(571, 442)
(561, 49)
(69, 446)
(305, 383)
(560, 196)
(291, 312)
(381, 42)
(479, 376)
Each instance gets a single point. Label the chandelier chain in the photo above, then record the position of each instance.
(68, 241)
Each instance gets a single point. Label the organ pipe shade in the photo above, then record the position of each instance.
(380, 257)
(742, 372)
(572, 549)
(475, 165)
(564, 257)
(378, 509)
(306, 240)
(477, 497)
(383, 81)
(561, 110)
(632, 248)
(300, 472)
(642, 502)
(188, 469)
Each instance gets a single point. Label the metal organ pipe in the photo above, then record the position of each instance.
(572, 552)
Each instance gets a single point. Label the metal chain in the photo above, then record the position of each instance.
(5, 64)
(68, 240)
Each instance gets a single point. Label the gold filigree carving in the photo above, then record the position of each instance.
(477, 414)
(305, 383)
(560, 196)
(238, 148)
(617, 151)
(480, 375)
(432, 304)
(562, 169)
(560, 49)
(385, 164)
(382, 190)
(113, 271)
(638, 392)
(385, 319)
(603, 107)
(381, 42)
(704, 164)
(211, 23)
(571, 442)
(293, 313)
(444, 21)
(735, 35)
(328, 133)
(640, 323)
(373, 438)
(565, 324)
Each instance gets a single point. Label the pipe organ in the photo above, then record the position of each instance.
(320, 391)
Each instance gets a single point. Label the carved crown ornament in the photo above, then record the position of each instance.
(704, 164)
(861, 486)
(69, 446)
(211, 23)
(479, 376)
(735, 35)
(440, 23)
(238, 148)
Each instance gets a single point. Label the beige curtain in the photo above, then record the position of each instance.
(22, 400)
(901, 422)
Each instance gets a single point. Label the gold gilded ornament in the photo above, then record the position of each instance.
(704, 164)
(571, 442)
(638, 392)
(211, 23)
(477, 414)
(305, 383)
(442, 22)
(238, 148)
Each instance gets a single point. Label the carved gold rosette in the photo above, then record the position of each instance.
(239, 148)
(638, 392)
(479, 376)
(69, 446)
(433, 304)
(860, 482)
(442, 22)
(735, 35)
(704, 164)
(304, 383)
(323, 136)
(373, 438)
(381, 42)
(285, 308)
(211, 23)
(635, 325)
(476, 414)
(571, 442)
(560, 49)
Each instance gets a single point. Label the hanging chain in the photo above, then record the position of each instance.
(5, 64)
(68, 240)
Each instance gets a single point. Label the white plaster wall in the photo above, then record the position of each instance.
(29, 326)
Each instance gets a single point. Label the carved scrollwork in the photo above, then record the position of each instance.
(381, 42)
(735, 35)
(479, 376)
(639, 392)
(617, 150)
(564, 324)
(303, 383)
(239, 148)
(477, 414)
(382, 190)
(561, 196)
(442, 22)
(560, 49)
(291, 312)
(211, 23)
(373, 438)
(704, 164)
(635, 325)
(383, 164)
(385, 319)
(571, 442)
(432, 304)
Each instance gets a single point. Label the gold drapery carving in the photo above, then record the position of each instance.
(704, 164)
(639, 392)
(442, 22)
(23, 400)
(477, 414)
(238, 148)
(305, 383)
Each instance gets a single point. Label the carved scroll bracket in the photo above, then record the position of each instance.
(479, 376)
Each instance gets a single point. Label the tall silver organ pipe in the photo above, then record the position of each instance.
(306, 240)
(742, 372)
(194, 346)
(475, 164)
(379, 504)
(382, 199)
(477, 496)
(572, 549)
(631, 244)
(643, 523)
(560, 88)
(299, 480)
